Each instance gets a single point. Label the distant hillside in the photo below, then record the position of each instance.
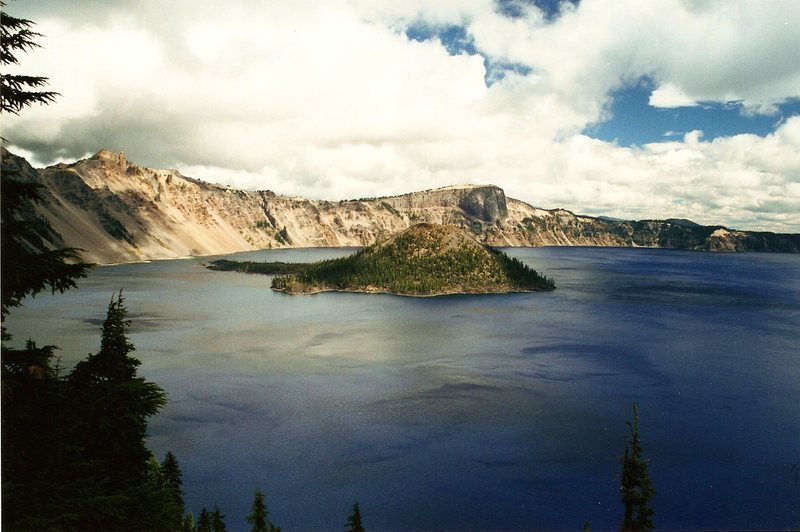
(120, 212)
(425, 259)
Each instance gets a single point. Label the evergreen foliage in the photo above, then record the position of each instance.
(217, 520)
(354, 520)
(172, 479)
(156, 506)
(258, 515)
(521, 275)
(636, 489)
(423, 260)
(19, 91)
(187, 524)
(112, 404)
(204, 521)
(79, 459)
(35, 459)
(264, 268)
(74, 454)
(28, 264)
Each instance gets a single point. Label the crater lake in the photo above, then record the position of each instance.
(488, 412)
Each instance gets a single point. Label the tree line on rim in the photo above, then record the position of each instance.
(74, 443)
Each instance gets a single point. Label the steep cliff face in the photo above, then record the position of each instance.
(118, 211)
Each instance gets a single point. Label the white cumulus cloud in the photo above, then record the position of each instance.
(668, 95)
(332, 99)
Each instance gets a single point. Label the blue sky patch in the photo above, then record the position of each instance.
(457, 41)
(454, 37)
(497, 70)
(636, 122)
(516, 8)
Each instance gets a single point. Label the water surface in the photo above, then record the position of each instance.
(503, 412)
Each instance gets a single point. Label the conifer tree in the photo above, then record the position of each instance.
(110, 406)
(204, 521)
(113, 401)
(19, 91)
(28, 264)
(636, 489)
(188, 523)
(154, 504)
(258, 517)
(79, 460)
(38, 458)
(354, 521)
(173, 481)
(217, 520)
(33, 436)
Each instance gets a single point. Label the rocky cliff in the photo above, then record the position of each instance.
(118, 211)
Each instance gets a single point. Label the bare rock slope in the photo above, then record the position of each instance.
(119, 212)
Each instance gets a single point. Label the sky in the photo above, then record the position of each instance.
(622, 108)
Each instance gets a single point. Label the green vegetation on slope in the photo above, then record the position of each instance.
(264, 268)
(423, 260)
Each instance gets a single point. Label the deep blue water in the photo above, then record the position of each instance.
(499, 412)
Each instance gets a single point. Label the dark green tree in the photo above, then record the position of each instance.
(354, 521)
(155, 507)
(110, 406)
(173, 481)
(79, 460)
(33, 436)
(258, 515)
(636, 489)
(187, 525)
(19, 91)
(217, 520)
(29, 265)
(204, 521)
(74, 448)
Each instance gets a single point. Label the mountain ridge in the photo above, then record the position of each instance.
(122, 212)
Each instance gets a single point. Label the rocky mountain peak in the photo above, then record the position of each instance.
(119, 211)
(114, 157)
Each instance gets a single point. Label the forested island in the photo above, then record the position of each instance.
(424, 260)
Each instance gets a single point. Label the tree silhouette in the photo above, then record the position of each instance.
(79, 460)
(29, 265)
(19, 91)
(354, 521)
(258, 515)
(110, 405)
(636, 489)
(187, 525)
(217, 520)
(204, 521)
(172, 477)
(75, 447)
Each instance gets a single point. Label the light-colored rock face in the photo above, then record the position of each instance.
(118, 212)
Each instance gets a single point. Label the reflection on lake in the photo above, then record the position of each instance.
(468, 412)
